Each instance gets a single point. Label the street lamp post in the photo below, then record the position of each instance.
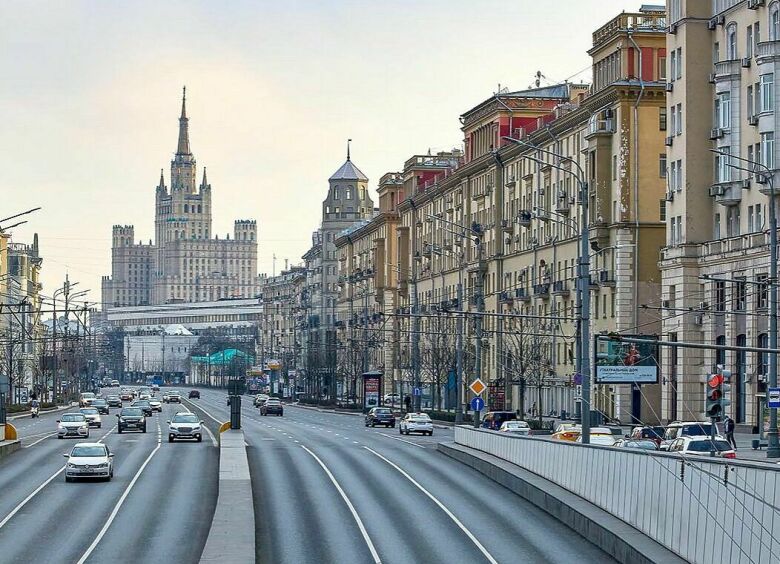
(773, 442)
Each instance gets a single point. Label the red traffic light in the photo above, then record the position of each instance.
(715, 381)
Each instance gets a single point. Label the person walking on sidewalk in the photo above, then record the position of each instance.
(729, 425)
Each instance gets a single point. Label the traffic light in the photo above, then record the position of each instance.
(725, 387)
(713, 407)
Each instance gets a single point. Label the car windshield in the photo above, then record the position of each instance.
(92, 450)
(697, 430)
(516, 424)
(132, 412)
(644, 445)
(113, 397)
(71, 417)
(141, 402)
(99, 402)
(706, 446)
(383, 411)
(272, 400)
(173, 392)
(87, 395)
(89, 411)
(185, 418)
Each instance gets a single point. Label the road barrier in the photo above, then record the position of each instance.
(703, 510)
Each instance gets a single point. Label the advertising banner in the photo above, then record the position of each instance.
(620, 362)
(372, 387)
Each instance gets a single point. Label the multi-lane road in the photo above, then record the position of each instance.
(326, 489)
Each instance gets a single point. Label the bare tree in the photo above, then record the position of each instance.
(437, 355)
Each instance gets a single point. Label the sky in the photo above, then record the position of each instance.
(91, 92)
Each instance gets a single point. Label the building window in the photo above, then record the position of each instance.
(673, 177)
(722, 162)
(614, 167)
(679, 179)
(720, 295)
(750, 219)
(662, 68)
(774, 22)
(749, 41)
(679, 119)
(759, 220)
(767, 92)
(673, 66)
(662, 210)
(679, 62)
(731, 42)
(740, 295)
(762, 293)
(662, 119)
(716, 227)
(673, 119)
(723, 109)
(349, 192)
(768, 149)
(662, 165)
(750, 110)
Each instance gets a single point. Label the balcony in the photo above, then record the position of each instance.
(635, 22)
(524, 218)
(767, 52)
(728, 70)
(560, 288)
(505, 298)
(606, 278)
(598, 127)
(764, 186)
(728, 193)
(563, 204)
(522, 294)
(542, 290)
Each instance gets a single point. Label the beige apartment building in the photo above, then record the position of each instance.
(523, 205)
(723, 59)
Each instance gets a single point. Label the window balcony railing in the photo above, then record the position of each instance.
(767, 51)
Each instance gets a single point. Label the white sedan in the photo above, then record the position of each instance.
(72, 425)
(89, 460)
(416, 423)
(92, 415)
(156, 404)
(515, 427)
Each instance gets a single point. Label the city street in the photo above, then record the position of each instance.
(413, 503)
(158, 506)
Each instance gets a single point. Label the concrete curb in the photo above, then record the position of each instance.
(61, 408)
(614, 536)
(232, 534)
(8, 447)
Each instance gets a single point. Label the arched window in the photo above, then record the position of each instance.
(349, 192)
(731, 42)
(774, 22)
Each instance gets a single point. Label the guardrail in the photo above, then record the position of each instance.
(703, 510)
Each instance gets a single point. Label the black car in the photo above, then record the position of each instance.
(144, 406)
(131, 418)
(494, 419)
(272, 406)
(114, 401)
(194, 394)
(101, 405)
(380, 416)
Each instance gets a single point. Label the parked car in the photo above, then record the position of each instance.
(686, 429)
(272, 406)
(702, 446)
(654, 433)
(85, 399)
(101, 405)
(392, 399)
(131, 418)
(637, 444)
(494, 419)
(194, 394)
(380, 416)
(114, 383)
(516, 427)
(72, 425)
(185, 425)
(89, 460)
(416, 423)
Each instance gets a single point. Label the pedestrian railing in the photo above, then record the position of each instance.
(703, 510)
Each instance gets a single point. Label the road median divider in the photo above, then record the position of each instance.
(232, 534)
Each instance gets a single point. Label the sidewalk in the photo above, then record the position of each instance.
(745, 449)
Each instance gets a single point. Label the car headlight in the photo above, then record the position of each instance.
(71, 465)
(60, 428)
(103, 465)
(196, 428)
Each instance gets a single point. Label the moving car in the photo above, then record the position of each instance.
(89, 460)
(131, 418)
(165, 397)
(92, 416)
(515, 427)
(494, 419)
(85, 399)
(174, 396)
(185, 425)
(260, 399)
(156, 404)
(114, 383)
(114, 401)
(686, 429)
(194, 394)
(272, 406)
(380, 416)
(416, 423)
(637, 444)
(155, 388)
(101, 405)
(144, 406)
(654, 433)
(566, 432)
(126, 394)
(599, 438)
(702, 446)
(72, 425)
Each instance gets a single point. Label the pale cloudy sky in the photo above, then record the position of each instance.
(90, 96)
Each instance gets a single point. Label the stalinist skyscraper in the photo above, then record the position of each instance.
(186, 262)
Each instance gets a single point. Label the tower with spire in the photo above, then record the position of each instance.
(187, 262)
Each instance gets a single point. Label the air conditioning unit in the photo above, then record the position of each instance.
(712, 24)
(753, 120)
(716, 133)
(717, 190)
(666, 304)
(698, 319)
(670, 196)
(712, 78)
(672, 29)
(720, 20)
(755, 4)
(669, 140)
(669, 86)
(746, 62)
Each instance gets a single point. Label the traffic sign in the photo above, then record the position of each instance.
(773, 395)
(477, 404)
(477, 386)
(417, 392)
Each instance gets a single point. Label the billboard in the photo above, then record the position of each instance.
(372, 386)
(621, 362)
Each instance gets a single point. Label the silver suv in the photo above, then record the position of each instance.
(185, 425)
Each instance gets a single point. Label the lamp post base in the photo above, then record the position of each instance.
(773, 448)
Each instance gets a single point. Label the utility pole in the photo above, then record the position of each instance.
(480, 303)
(459, 354)
(584, 264)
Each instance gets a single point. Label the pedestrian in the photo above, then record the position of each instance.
(729, 424)
(408, 403)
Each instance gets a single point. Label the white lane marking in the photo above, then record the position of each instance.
(210, 434)
(441, 506)
(29, 497)
(357, 443)
(206, 412)
(121, 499)
(402, 440)
(39, 440)
(351, 507)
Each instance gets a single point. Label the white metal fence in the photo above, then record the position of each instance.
(705, 511)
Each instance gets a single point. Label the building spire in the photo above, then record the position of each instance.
(348, 142)
(184, 135)
(162, 180)
(205, 182)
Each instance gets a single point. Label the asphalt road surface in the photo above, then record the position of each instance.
(328, 489)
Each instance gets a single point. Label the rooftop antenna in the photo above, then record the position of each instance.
(273, 268)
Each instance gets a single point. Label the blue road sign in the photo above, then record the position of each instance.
(773, 395)
(417, 392)
(477, 404)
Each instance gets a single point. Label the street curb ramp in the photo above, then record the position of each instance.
(232, 534)
(617, 538)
